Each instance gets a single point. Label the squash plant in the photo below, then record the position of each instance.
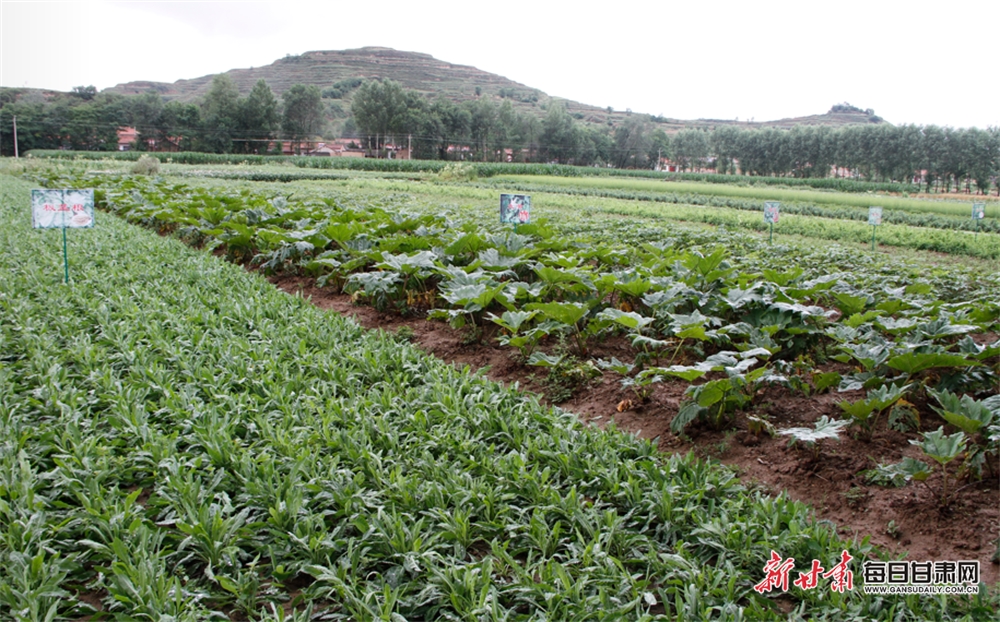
(975, 418)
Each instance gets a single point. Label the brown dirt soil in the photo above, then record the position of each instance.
(967, 528)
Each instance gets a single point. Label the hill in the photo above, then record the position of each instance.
(426, 74)
(414, 71)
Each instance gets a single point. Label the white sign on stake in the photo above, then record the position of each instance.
(979, 211)
(56, 209)
(772, 211)
(874, 216)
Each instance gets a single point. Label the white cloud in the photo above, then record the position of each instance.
(219, 18)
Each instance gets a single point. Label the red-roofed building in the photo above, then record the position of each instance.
(126, 137)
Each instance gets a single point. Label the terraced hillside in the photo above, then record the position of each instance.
(424, 73)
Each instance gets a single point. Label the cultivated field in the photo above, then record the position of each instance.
(183, 439)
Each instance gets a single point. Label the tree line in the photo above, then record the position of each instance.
(222, 122)
(939, 157)
(383, 114)
(484, 130)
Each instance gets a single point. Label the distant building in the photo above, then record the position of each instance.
(129, 136)
(340, 147)
(126, 138)
(666, 166)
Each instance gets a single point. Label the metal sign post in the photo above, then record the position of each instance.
(978, 213)
(772, 211)
(874, 219)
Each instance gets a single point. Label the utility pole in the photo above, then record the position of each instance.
(15, 138)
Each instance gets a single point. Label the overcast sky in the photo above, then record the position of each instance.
(911, 61)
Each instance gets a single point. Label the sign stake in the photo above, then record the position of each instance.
(65, 259)
(62, 209)
(978, 213)
(874, 219)
(772, 211)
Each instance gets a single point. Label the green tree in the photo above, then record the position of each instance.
(690, 148)
(303, 116)
(984, 157)
(934, 145)
(595, 146)
(92, 124)
(956, 161)
(559, 137)
(854, 148)
(86, 93)
(88, 129)
(31, 128)
(220, 112)
(419, 127)
(180, 124)
(423, 122)
(724, 143)
(530, 131)
(379, 109)
(457, 123)
(259, 119)
(506, 134)
(906, 155)
(483, 113)
(658, 147)
(429, 134)
(810, 153)
(631, 143)
(749, 150)
(145, 111)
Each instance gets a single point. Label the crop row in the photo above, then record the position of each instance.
(689, 313)
(182, 441)
(490, 169)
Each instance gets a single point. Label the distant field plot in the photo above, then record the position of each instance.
(926, 232)
(957, 206)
